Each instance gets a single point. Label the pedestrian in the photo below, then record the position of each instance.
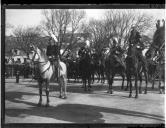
(17, 76)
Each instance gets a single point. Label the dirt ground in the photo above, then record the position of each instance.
(96, 106)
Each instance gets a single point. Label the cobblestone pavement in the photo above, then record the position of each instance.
(95, 106)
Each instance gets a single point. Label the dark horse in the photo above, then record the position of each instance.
(134, 67)
(85, 68)
(112, 67)
(157, 50)
(98, 67)
(46, 71)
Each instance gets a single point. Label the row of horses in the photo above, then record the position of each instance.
(97, 66)
(105, 65)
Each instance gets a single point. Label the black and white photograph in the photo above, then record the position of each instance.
(84, 66)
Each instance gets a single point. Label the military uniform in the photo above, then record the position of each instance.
(134, 39)
(53, 55)
(116, 52)
(52, 52)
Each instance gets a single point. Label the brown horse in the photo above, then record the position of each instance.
(112, 67)
(134, 67)
(157, 50)
(46, 71)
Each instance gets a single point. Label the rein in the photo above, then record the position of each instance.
(38, 62)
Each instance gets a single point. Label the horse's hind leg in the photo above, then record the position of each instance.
(60, 87)
(146, 81)
(47, 93)
(123, 77)
(40, 94)
(89, 84)
(140, 88)
(136, 85)
(64, 83)
(130, 82)
(110, 84)
(65, 86)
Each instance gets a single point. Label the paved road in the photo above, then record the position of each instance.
(96, 106)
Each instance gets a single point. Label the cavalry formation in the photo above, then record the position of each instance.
(129, 64)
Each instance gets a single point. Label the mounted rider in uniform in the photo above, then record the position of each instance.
(116, 51)
(53, 53)
(135, 40)
(84, 49)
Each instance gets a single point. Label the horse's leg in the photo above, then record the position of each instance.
(103, 78)
(111, 82)
(98, 73)
(89, 82)
(84, 84)
(40, 93)
(64, 85)
(123, 78)
(136, 85)
(140, 84)
(153, 81)
(47, 93)
(160, 89)
(60, 87)
(130, 82)
(146, 81)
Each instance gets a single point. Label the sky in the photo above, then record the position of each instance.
(33, 17)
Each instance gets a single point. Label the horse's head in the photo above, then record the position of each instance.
(35, 53)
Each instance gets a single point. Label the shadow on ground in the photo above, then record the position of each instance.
(76, 113)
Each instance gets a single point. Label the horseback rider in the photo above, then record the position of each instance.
(158, 24)
(53, 53)
(135, 40)
(116, 51)
(52, 50)
(84, 49)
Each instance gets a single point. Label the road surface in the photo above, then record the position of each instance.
(96, 106)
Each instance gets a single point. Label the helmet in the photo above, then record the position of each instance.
(115, 40)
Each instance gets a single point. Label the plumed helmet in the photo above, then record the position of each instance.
(115, 39)
(87, 43)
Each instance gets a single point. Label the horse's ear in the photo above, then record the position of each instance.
(33, 46)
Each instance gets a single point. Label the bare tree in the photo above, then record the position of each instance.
(26, 36)
(120, 22)
(60, 22)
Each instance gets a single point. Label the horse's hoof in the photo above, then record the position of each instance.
(136, 96)
(65, 97)
(145, 92)
(140, 92)
(160, 92)
(47, 105)
(60, 96)
(130, 96)
(39, 104)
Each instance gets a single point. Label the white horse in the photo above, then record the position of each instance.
(46, 71)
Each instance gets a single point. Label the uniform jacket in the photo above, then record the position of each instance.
(52, 50)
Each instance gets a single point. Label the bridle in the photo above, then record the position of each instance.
(37, 62)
